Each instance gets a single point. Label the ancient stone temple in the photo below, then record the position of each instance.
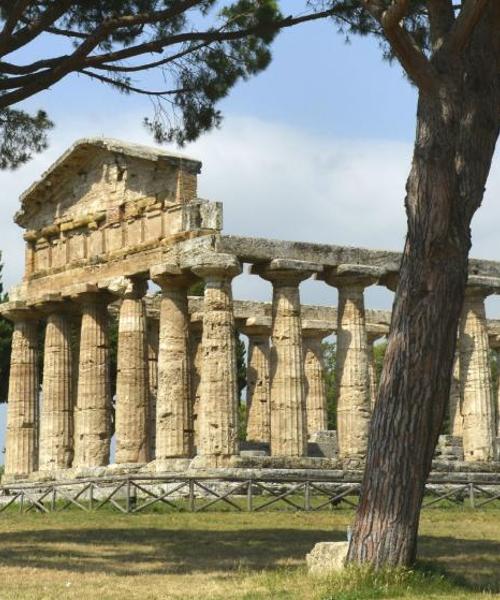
(107, 224)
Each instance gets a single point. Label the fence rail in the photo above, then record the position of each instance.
(134, 494)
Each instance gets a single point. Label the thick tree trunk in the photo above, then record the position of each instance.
(457, 128)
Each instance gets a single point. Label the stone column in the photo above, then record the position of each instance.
(174, 427)
(258, 427)
(475, 377)
(218, 410)
(93, 403)
(288, 403)
(373, 333)
(196, 354)
(56, 418)
(456, 421)
(352, 369)
(313, 333)
(132, 378)
(153, 333)
(21, 456)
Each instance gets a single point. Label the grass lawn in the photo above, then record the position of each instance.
(103, 555)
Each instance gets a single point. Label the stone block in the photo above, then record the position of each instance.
(327, 557)
(323, 443)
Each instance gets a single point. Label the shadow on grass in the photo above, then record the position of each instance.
(474, 564)
(132, 551)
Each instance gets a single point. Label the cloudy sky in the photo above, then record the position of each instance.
(316, 149)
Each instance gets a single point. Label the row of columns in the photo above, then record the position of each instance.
(202, 403)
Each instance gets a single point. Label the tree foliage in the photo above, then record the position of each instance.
(5, 344)
(185, 55)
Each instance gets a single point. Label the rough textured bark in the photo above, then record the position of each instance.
(56, 417)
(21, 444)
(457, 128)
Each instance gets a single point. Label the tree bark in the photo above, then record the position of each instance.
(457, 128)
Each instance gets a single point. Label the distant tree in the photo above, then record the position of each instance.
(330, 358)
(197, 51)
(5, 344)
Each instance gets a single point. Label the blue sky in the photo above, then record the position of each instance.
(317, 148)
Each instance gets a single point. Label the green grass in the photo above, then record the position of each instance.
(247, 556)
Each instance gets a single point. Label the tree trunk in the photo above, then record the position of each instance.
(457, 127)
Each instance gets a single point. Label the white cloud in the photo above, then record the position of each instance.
(277, 181)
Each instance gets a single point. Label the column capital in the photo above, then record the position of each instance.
(216, 266)
(169, 275)
(131, 288)
(283, 271)
(19, 311)
(90, 294)
(352, 276)
(316, 329)
(479, 287)
(255, 327)
(375, 331)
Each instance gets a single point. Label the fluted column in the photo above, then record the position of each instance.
(56, 418)
(352, 368)
(174, 427)
(258, 427)
(218, 410)
(196, 353)
(475, 377)
(132, 379)
(21, 447)
(374, 333)
(93, 404)
(288, 402)
(456, 420)
(153, 333)
(314, 369)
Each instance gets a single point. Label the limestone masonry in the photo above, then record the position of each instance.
(109, 217)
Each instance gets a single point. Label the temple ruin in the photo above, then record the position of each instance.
(108, 218)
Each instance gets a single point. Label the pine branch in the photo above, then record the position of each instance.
(411, 57)
(469, 16)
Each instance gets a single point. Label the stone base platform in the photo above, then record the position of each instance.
(253, 466)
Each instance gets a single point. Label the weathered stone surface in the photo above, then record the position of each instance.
(132, 420)
(456, 420)
(218, 407)
(21, 457)
(288, 403)
(313, 334)
(196, 354)
(352, 376)
(93, 404)
(327, 557)
(258, 380)
(153, 333)
(475, 377)
(174, 424)
(56, 417)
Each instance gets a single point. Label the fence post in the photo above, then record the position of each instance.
(249, 496)
(471, 495)
(307, 496)
(191, 495)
